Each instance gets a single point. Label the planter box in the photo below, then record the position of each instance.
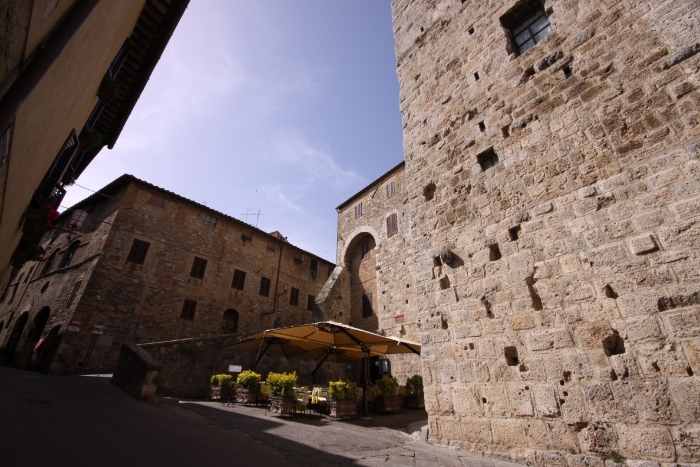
(415, 401)
(282, 405)
(220, 392)
(388, 403)
(246, 396)
(339, 409)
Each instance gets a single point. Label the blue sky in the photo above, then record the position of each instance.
(288, 106)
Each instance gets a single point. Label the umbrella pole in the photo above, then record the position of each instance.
(364, 381)
(255, 365)
(313, 373)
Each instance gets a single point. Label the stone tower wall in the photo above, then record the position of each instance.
(567, 320)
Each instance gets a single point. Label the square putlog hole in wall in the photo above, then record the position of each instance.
(511, 354)
(494, 252)
(487, 159)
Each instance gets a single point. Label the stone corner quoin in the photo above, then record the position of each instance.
(562, 176)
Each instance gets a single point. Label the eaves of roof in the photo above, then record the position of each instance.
(119, 183)
(359, 193)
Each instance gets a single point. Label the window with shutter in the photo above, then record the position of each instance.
(365, 250)
(73, 291)
(310, 303)
(5, 145)
(119, 60)
(210, 220)
(188, 309)
(199, 265)
(294, 297)
(358, 210)
(367, 305)
(138, 251)
(265, 286)
(271, 246)
(313, 265)
(238, 279)
(392, 225)
(389, 190)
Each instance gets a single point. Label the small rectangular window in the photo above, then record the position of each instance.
(265, 286)
(95, 114)
(29, 275)
(210, 220)
(358, 210)
(392, 225)
(389, 190)
(294, 297)
(199, 265)
(119, 60)
(313, 265)
(138, 251)
(488, 159)
(188, 309)
(157, 200)
(367, 305)
(528, 24)
(271, 246)
(310, 303)
(238, 279)
(73, 291)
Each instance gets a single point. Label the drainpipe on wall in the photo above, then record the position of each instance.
(277, 280)
(41, 62)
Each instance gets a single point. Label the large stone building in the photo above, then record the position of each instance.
(137, 263)
(553, 205)
(71, 72)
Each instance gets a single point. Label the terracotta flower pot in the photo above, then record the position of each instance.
(246, 396)
(282, 405)
(388, 403)
(220, 392)
(415, 401)
(345, 408)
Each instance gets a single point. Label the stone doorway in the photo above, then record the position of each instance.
(363, 284)
(13, 340)
(36, 329)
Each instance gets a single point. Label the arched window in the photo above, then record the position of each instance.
(49, 262)
(230, 323)
(69, 255)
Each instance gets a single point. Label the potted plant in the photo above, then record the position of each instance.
(248, 383)
(221, 386)
(388, 400)
(281, 389)
(90, 139)
(343, 397)
(109, 88)
(414, 388)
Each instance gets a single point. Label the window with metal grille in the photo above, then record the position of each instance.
(265, 286)
(210, 220)
(488, 159)
(365, 249)
(313, 265)
(528, 24)
(14, 291)
(389, 190)
(188, 309)
(49, 191)
(119, 60)
(358, 210)
(199, 265)
(5, 145)
(367, 305)
(29, 275)
(157, 200)
(392, 225)
(238, 279)
(73, 291)
(69, 255)
(294, 297)
(138, 251)
(310, 303)
(95, 114)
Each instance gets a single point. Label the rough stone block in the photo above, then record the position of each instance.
(520, 401)
(467, 402)
(509, 432)
(643, 245)
(687, 443)
(650, 443)
(475, 430)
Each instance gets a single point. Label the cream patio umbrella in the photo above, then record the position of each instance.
(337, 339)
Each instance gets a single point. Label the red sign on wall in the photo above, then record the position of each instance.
(399, 319)
(75, 322)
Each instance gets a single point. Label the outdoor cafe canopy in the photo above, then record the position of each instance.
(296, 341)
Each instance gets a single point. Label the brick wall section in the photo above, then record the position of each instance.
(581, 338)
(387, 272)
(189, 363)
(143, 303)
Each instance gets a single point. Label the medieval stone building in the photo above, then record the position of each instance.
(553, 218)
(137, 263)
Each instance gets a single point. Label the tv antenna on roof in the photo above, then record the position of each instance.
(256, 214)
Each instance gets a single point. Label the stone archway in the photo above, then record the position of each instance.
(230, 322)
(16, 333)
(356, 236)
(361, 258)
(33, 335)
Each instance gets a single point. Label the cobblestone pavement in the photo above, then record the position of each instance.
(310, 440)
(84, 421)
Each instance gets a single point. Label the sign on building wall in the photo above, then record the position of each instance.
(98, 329)
(74, 325)
(235, 368)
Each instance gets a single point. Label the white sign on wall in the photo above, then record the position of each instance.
(235, 368)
